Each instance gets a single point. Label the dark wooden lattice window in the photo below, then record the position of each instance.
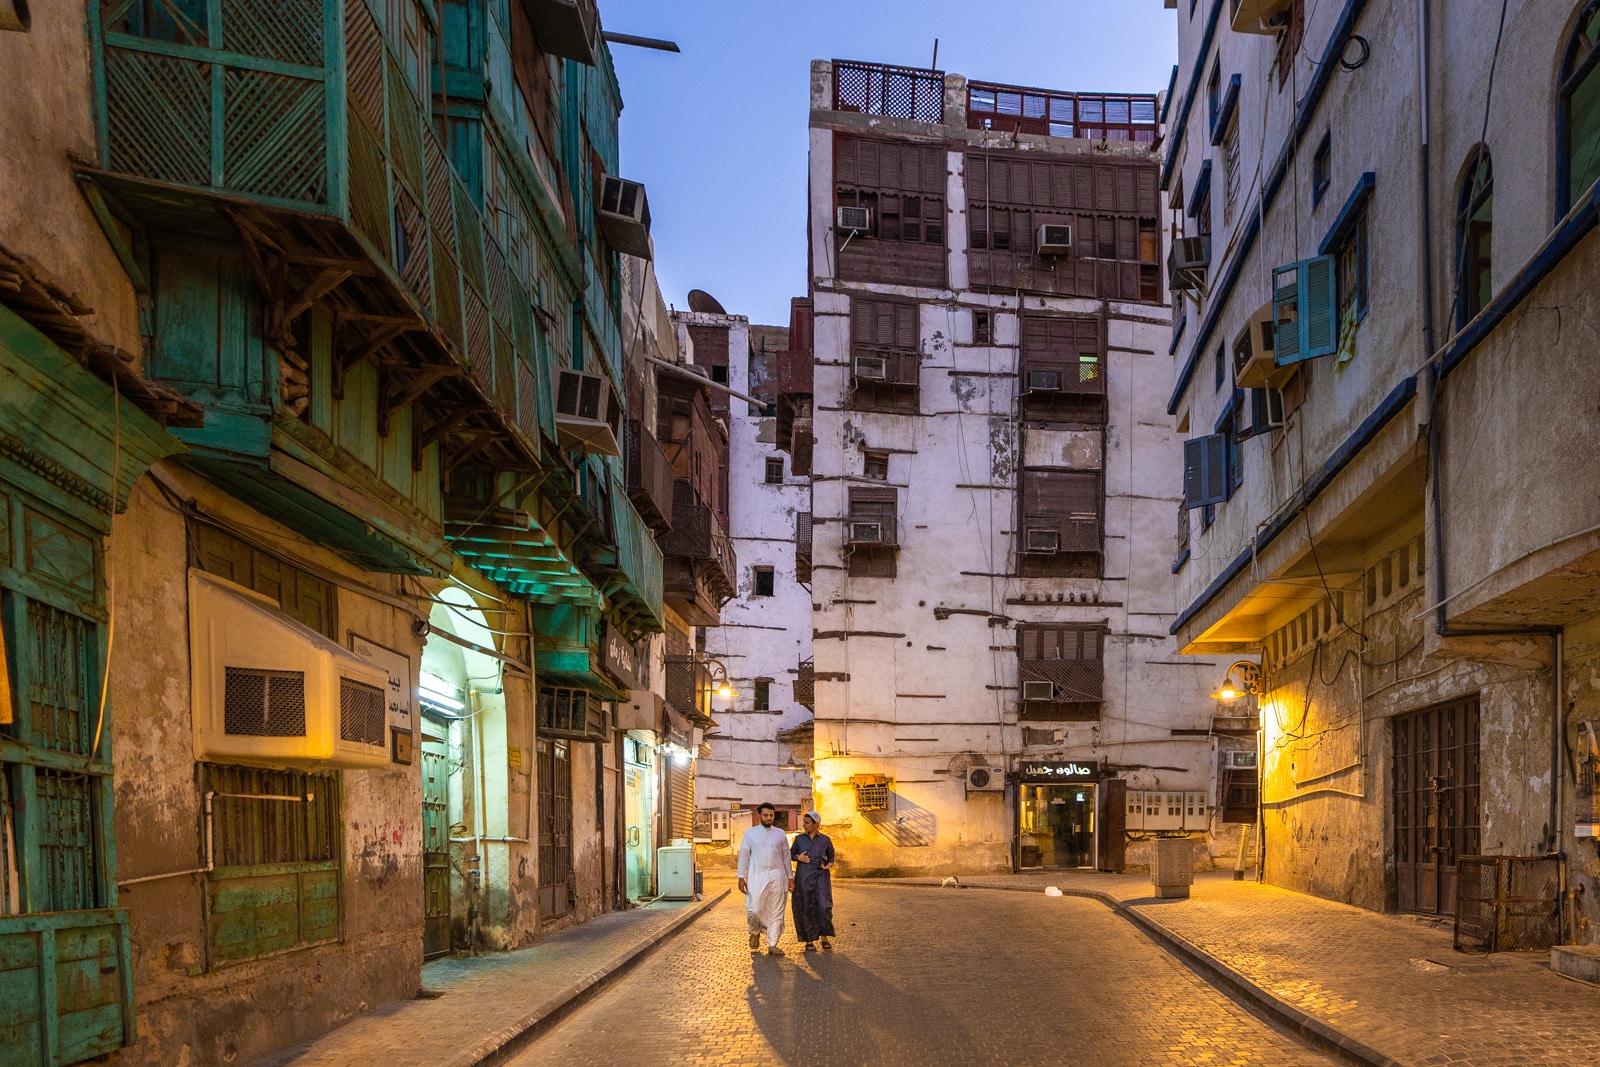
(902, 185)
(302, 596)
(1061, 526)
(1060, 672)
(1112, 207)
(871, 533)
(1063, 371)
(885, 355)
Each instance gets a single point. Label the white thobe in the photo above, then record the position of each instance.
(764, 865)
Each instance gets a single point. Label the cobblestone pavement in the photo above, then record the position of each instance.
(1393, 983)
(486, 1001)
(920, 977)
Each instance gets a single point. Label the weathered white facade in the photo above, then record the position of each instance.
(918, 674)
(765, 635)
(1432, 476)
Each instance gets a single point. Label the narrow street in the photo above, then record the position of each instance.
(919, 977)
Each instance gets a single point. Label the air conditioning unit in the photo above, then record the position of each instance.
(1042, 541)
(269, 691)
(1037, 691)
(1253, 366)
(1239, 760)
(1187, 263)
(866, 533)
(871, 368)
(1268, 408)
(1053, 239)
(1044, 381)
(853, 220)
(588, 413)
(1268, 17)
(624, 216)
(986, 778)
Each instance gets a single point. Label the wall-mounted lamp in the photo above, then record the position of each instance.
(1248, 681)
(720, 685)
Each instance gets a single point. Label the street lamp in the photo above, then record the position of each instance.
(720, 685)
(1249, 680)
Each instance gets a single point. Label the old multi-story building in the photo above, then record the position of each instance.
(332, 687)
(1385, 373)
(761, 747)
(991, 496)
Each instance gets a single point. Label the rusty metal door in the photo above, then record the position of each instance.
(555, 828)
(435, 848)
(1437, 811)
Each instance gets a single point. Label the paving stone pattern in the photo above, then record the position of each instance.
(486, 999)
(919, 977)
(1393, 983)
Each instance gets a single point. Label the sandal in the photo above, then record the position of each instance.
(811, 946)
(827, 945)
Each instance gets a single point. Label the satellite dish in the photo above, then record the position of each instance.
(705, 303)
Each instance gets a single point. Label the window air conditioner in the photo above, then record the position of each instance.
(1044, 381)
(1037, 691)
(1053, 239)
(1253, 366)
(854, 220)
(1259, 16)
(866, 533)
(271, 692)
(1187, 262)
(872, 368)
(624, 216)
(1240, 760)
(1043, 541)
(986, 778)
(588, 413)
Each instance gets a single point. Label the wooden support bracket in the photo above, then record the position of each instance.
(392, 399)
(375, 342)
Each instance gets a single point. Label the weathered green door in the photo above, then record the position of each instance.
(435, 847)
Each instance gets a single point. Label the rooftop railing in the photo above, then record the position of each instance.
(1097, 116)
(895, 92)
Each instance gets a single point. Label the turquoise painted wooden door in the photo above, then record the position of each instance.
(435, 848)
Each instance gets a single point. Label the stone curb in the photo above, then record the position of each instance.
(501, 1045)
(1314, 1032)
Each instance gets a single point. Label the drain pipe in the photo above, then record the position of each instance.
(1435, 383)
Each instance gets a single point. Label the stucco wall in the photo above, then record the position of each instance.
(188, 1015)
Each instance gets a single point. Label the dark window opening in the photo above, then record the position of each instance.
(1474, 231)
(1221, 366)
(875, 465)
(775, 470)
(763, 695)
(1352, 261)
(982, 327)
(763, 581)
(1321, 169)
(1578, 110)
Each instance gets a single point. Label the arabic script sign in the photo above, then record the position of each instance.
(1060, 770)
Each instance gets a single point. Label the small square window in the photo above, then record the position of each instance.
(719, 375)
(763, 582)
(982, 328)
(775, 470)
(763, 698)
(1321, 170)
(875, 465)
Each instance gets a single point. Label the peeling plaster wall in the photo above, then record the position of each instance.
(759, 637)
(919, 671)
(48, 121)
(236, 1013)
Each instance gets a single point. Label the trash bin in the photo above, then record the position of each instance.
(1172, 867)
(675, 871)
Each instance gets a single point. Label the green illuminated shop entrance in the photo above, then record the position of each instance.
(1055, 814)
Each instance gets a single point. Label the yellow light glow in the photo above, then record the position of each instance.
(726, 691)
(1228, 692)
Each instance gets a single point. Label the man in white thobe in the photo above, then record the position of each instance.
(765, 879)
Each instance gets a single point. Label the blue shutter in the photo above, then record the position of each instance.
(1286, 315)
(1205, 470)
(1319, 307)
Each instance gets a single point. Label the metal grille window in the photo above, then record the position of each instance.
(1060, 672)
(567, 712)
(363, 712)
(259, 703)
(274, 884)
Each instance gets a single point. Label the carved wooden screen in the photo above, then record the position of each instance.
(1060, 672)
(902, 185)
(1110, 204)
(1062, 371)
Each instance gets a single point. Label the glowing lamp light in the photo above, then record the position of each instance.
(439, 692)
(1249, 680)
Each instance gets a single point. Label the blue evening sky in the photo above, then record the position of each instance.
(718, 133)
